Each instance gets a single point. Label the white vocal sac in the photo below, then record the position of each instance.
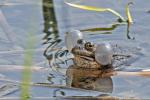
(103, 53)
(71, 38)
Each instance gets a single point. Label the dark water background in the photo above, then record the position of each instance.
(50, 21)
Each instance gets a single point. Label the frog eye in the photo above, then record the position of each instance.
(89, 46)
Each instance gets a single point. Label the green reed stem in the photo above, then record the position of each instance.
(28, 57)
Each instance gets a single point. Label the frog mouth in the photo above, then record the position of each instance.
(87, 58)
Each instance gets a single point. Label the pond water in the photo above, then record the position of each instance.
(47, 21)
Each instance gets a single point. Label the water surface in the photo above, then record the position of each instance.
(49, 21)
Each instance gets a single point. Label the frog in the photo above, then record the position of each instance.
(84, 55)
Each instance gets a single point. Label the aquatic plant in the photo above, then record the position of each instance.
(128, 20)
(28, 59)
(91, 8)
(27, 71)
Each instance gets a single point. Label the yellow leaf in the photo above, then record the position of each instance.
(86, 7)
(128, 13)
(96, 9)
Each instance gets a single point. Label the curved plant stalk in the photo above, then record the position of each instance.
(111, 28)
(129, 19)
(97, 9)
(128, 13)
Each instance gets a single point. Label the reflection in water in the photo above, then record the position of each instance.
(50, 24)
(50, 28)
(92, 79)
(108, 30)
(6, 28)
(128, 32)
(101, 97)
(113, 27)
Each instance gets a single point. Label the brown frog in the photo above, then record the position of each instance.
(84, 55)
